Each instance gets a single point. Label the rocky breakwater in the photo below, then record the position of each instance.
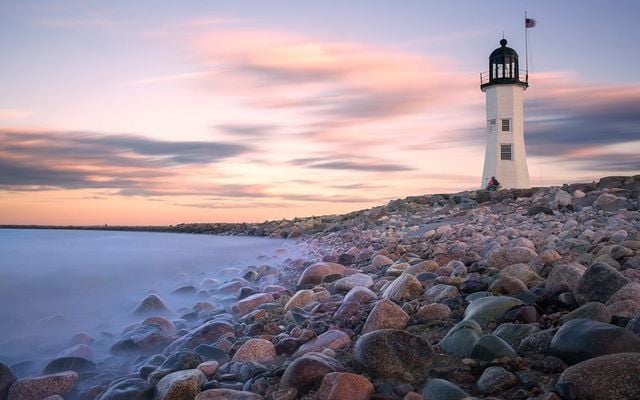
(519, 294)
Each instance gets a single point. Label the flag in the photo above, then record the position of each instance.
(529, 23)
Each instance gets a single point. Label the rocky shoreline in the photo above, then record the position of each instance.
(519, 294)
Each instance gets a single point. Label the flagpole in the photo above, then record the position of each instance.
(526, 48)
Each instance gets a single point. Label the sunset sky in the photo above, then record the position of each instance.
(162, 112)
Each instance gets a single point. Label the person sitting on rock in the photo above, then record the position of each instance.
(493, 184)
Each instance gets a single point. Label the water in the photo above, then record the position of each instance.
(55, 283)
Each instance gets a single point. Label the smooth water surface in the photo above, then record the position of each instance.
(54, 283)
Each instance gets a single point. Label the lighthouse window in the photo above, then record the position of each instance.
(505, 152)
(492, 126)
(506, 125)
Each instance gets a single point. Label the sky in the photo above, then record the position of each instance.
(164, 112)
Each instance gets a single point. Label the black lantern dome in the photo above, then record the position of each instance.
(503, 68)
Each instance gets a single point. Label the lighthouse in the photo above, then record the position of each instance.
(505, 157)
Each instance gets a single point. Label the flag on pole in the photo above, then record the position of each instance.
(529, 22)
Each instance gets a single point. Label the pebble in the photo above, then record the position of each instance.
(347, 283)
(502, 258)
(461, 338)
(433, 311)
(343, 386)
(255, 350)
(248, 304)
(315, 273)
(496, 379)
(405, 287)
(359, 295)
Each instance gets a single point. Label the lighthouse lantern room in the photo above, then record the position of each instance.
(505, 156)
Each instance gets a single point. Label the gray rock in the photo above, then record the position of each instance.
(564, 277)
(612, 376)
(306, 373)
(144, 339)
(496, 379)
(7, 377)
(634, 324)
(77, 364)
(181, 360)
(180, 385)
(405, 287)
(204, 334)
(461, 338)
(593, 310)
(441, 389)
(389, 353)
(490, 309)
(514, 333)
(599, 282)
(490, 347)
(43, 386)
(581, 339)
(537, 343)
(128, 389)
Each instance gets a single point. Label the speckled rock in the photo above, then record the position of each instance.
(343, 385)
(389, 353)
(180, 360)
(461, 338)
(315, 273)
(599, 282)
(441, 389)
(248, 304)
(43, 386)
(630, 291)
(385, 314)
(405, 287)
(152, 305)
(332, 339)
(490, 309)
(581, 339)
(300, 299)
(564, 277)
(227, 394)
(612, 376)
(349, 282)
(504, 257)
(423, 266)
(624, 308)
(433, 311)
(180, 385)
(209, 368)
(306, 372)
(129, 389)
(255, 350)
(496, 379)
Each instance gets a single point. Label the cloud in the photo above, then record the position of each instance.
(73, 160)
(14, 113)
(337, 162)
(247, 130)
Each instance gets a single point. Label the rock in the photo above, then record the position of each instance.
(248, 304)
(522, 272)
(77, 364)
(209, 368)
(440, 292)
(562, 199)
(405, 287)
(609, 202)
(256, 351)
(504, 257)
(181, 360)
(315, 273)
(490, 309)
(180, 385)
(128, 389)
(593, 310)
(43, 386)
(613, 376)
(564, 277)
(359, 295)
(581, 339)
(79, 350)
(440, 389)
(433, 311)
(7, 377)
(507, 285)
(152, 305)
(535, 210)
(599, 283)
(300, 299)
(397, 269)
(389, 353)
(385, 314)
(490, 347)
(331, 339)
(537, 343)
(514, 333)
(423, 266)
(381, 261)
(227, 394)
(349, 282)
(496, 379)
(343, 385)
(207, 333)
(624, 309)
(232, 286)
(630, 291)
(461, 338)
(144, 339)
(306, 373)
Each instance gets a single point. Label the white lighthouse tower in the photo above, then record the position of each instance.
(505, 156)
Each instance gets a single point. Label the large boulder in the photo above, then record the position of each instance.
(599, 282)
(581, 339)
(315, 273)
(612, 376)
(43, 386)
(389, 353)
